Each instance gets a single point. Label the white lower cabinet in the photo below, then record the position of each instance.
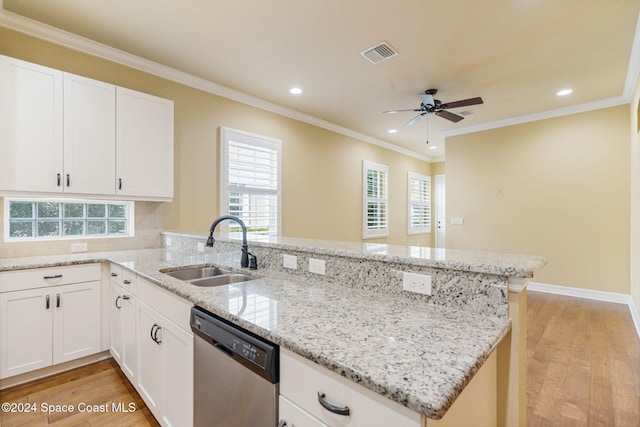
(123, 332)
(45, 321)
(153, 344)
(165, 374)
(304, 384)
(292, 415)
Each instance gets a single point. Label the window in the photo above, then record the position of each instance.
(375, 200)
(419, 203)
(250, 182)
(47, 219)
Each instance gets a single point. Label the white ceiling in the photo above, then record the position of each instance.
(515, 54)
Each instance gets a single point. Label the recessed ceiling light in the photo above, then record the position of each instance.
(564, 92)
(393, 131)
(295, 91)
(433, 147)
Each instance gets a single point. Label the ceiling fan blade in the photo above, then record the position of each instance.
(449, 116)
(462, 103)
(399, 111)
(415, 119)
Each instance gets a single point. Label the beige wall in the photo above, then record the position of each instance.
(557, 187)
(322, 170)
(634, 130)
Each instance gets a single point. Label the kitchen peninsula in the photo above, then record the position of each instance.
(419, 352)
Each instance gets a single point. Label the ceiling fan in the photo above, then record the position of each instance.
(429, 105)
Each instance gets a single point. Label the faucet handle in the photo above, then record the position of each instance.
(253, 261)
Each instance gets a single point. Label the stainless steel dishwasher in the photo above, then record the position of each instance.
(236, 374)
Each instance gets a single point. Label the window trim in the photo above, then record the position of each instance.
(368, 233)
(243, 137)
(423, 229)
(130, 217)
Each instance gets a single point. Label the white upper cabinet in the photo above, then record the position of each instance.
(144, 145)
(89, 136)
(63, 133)
(30, 126)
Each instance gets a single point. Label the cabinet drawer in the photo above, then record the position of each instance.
(293, 416)
(301, 380)
(123, 278)
(51, 276)
(173, 307)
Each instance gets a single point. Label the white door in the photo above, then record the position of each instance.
(76, 320)
(30, 126)
(177, 376)
(116, 326)
(149, 357)
(25, 331)
(89, 136)
(144, 144)
(439, 199)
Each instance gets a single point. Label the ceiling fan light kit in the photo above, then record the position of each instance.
(430, 105)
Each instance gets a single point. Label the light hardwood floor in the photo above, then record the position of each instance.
(100, 383)
(583, 363)
(583, 370)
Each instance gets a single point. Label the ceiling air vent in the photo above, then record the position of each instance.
(379, 53)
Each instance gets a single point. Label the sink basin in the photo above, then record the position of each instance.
(208, 276)
(195, 273)
(225, 279)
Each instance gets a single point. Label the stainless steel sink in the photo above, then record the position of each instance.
(225, 279)
(195, 273)
(208, 276)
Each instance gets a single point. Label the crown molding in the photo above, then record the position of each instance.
(574, 109)
(81, 44)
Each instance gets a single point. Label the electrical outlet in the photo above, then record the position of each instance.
(316, 266)
(200, 247)
(78, 247)
(290, 261)
(168, 241)
(457, 221)
(418, 283)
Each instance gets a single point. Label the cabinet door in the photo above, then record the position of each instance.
(25, 331)
(149, 383)
(144, 145)
(129, 337)
(293, 416)
(177, 376)
(89, 136)
(30, 126)
(116, 329)
(76, 320)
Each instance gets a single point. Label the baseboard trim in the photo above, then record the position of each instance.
(590, 294)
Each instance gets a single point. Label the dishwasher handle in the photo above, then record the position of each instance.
(223, 348)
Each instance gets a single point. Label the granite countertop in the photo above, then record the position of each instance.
(419, 355)
(506, 264)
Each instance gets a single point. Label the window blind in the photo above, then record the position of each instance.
(376, 200)
(252, 183)
(419, 203)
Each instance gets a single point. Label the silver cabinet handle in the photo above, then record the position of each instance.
(57, 276)
(57, 300)
(119, 183)
(58, 180)
(118, 306)
(114, 274)
(126, 282)
(47, 299)
(68, 180)
(340, 410)
(126, 297)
